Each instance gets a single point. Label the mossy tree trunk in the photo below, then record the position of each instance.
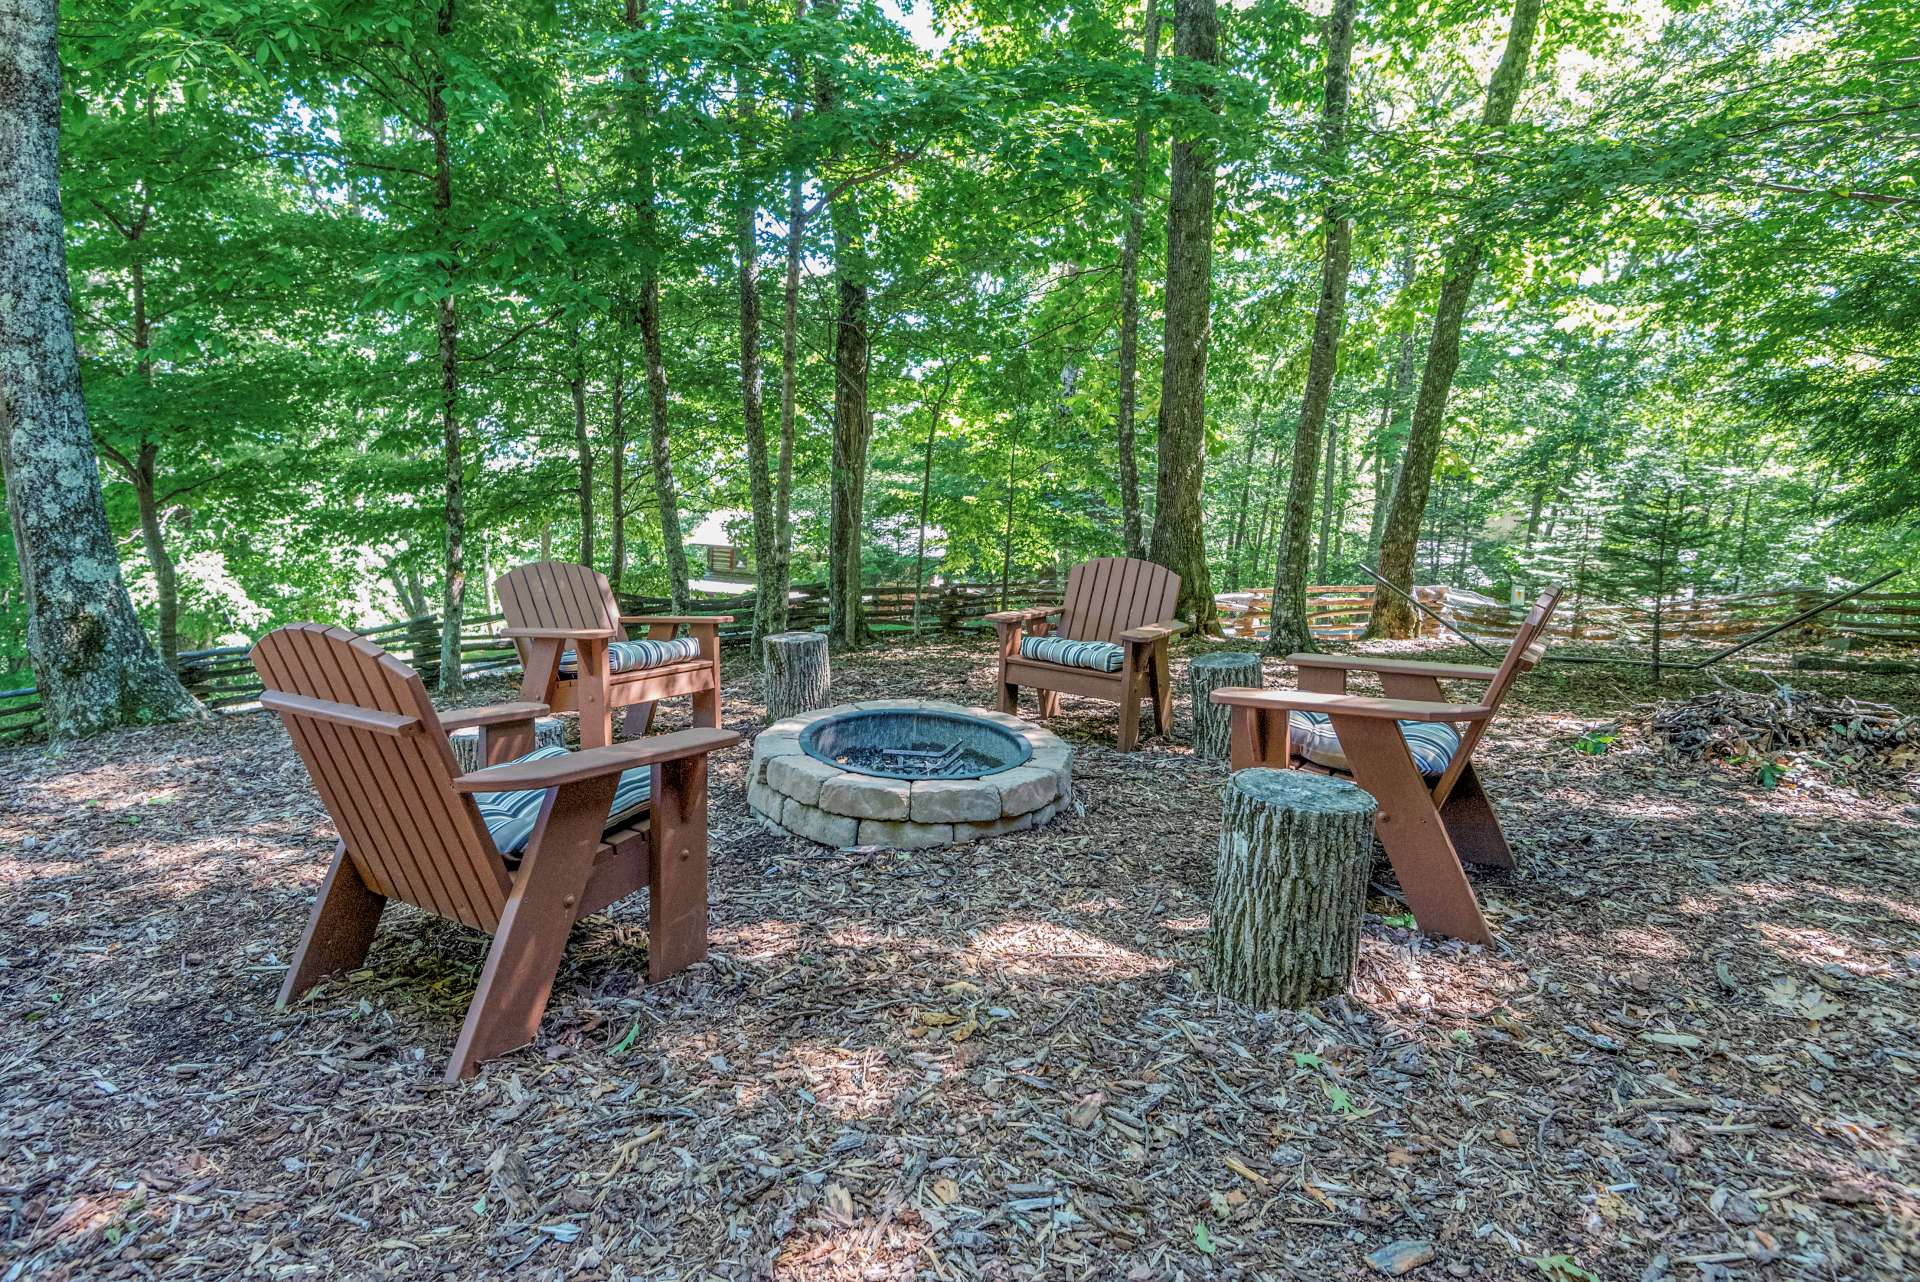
(1289, 887)
(1179, 533)
(1289, 632)
(94, 665)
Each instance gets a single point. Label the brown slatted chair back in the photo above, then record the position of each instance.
(1110, 594)
(558, 594)
(410, 835)
(1528, 648)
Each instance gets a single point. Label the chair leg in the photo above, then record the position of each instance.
(339, 929)
(532, 935)
(677, 873)
(706, 708)
(1049, 703)
(596, 714)
(1129, 717)
(1162, 687)
(1473, 825)
(1409, 827)
(638, 718)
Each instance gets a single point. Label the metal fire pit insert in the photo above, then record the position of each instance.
(914, 743)
(906, 773)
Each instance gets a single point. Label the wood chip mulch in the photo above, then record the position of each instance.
(1692, 1055)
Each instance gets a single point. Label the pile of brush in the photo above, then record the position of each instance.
(1787, 731)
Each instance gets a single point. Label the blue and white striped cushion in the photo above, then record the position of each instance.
(629, 656)
(1101, 656)
(510, 816)
(1431, 743)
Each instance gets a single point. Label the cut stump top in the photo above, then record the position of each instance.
(1302, 790)
(1234, 659)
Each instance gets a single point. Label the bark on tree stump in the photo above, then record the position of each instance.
(1212, 672)
(1289, 887)
(795, 673)
(548, 732)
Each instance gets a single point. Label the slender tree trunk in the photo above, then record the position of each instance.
(647, 223)
(752, 408)
(775, 580)
(454, 514)
(1290, 632)
(1389, 444)
(1006, 538)
(1237, 542)
(1401, 533)
(617, 481)
(1327, 498)
(1130, 526)
(1179, 534)
(1265, 526)
(92, 662)
(141, 471)
(852, 423)
(938, 413)
(583, 451)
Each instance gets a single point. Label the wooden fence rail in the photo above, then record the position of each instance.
(223, 676)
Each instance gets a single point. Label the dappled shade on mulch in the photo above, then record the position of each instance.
(1692, 1054)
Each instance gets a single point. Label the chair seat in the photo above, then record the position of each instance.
(1100, 656)
(510, 816)
(1431, 743)
(630, 656)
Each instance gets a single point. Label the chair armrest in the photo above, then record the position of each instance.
(1021, 616)
(340, 714)
(551, 772)
(1349, 705)
(494, 714)
(1405, 667)
(558, 634)
(1155, 631)
(693, 620)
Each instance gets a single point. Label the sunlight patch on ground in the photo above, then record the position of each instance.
(1039, 948)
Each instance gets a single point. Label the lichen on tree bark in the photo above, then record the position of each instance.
(94, 665)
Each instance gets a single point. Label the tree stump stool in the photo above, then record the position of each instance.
(1289, 887)
(548, 732)
(795, 673)
(1210, 672)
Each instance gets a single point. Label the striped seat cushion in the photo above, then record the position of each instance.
(1431, 743)
(1101, 656)
(510, 816)
(631, 656)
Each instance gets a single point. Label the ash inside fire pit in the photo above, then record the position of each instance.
(914, 744)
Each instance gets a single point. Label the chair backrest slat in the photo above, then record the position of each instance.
(1528, 648)
(409, 834)
(1110, 594)
(558, 594)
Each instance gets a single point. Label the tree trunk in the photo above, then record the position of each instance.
(1130, 526)
(938, 413)
(1237, 542)
(1289, 887)
(852, 424)
(583, 451)
(795, 673)
(1327, 486)
(752, 408)
(153, 538)
(1289, 632)
(447, 322)
(1211, 721)
(92, 662)
(1389, 443)
(1006, 537)
(774, 581)
(1179, 534)
(647, 222)
(1401, 532)
(617, 481)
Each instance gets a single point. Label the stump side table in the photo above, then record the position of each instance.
(548, 732)
(1289, 886)
(795, 674)
(1212, 721)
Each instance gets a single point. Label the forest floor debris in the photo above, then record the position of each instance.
(1692, 1054)
(1786, 729)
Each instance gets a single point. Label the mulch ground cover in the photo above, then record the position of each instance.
(1691, 1055)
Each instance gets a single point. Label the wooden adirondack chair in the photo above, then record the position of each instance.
(553, 607)
(410, 828)
(1125, 609)
(1429, 822)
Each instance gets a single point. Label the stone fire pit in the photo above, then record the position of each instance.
(906, 773)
